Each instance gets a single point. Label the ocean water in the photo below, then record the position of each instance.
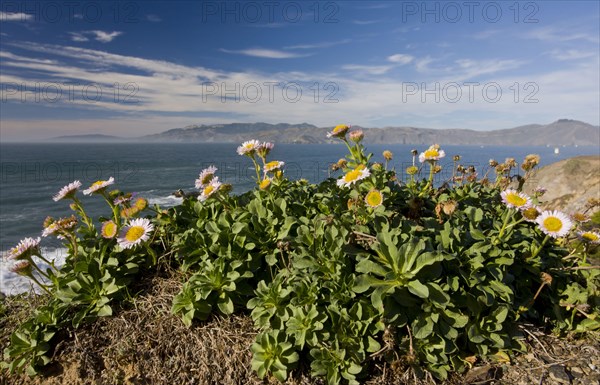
(30, 174)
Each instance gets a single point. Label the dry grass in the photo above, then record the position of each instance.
(144, 344)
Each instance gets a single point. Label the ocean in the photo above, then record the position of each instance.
(30, 174)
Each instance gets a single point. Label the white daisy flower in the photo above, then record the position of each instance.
(554, 223)
(68, 191)
(210, 189)
(205, 177)
(432, 153)
(274, 166)
(514, 199)
(135, 232)
(25, 249)
(99, 185)
(249, 147)
(353, 176)
(51, 229)
(589, 236)
(338, 131)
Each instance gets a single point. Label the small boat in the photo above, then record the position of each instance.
(556, 150)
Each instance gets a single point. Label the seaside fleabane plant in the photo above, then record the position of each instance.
(99, 186)
(339, 131)
(374, 198)
(109, 229)
(210, 189)
(23, 257)
(205, 177)
(67, 192)
(135, 232)
(432, 156)
(351, 177)
(592, 237)
(554, 223)
(515, 199)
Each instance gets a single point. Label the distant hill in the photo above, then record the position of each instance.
(88, 138)
(239, 132)
(561, 132)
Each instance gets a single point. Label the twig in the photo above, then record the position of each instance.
(579, 268)
(535, 338)
(364, 235)
(551, 364)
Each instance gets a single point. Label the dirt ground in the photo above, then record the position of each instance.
(145, 344)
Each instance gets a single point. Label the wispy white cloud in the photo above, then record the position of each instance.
(561, 34)
(400, 58)
(9, 55)
(367, 69)
(15, 16)
(265, 53)
(365, 22)
(101, 36)
(326, 44)
(374, 6)
(153, 18)
(485, 34)
(78, 37)
(173, 95)
(106, 37)
(572, 54)
(422, 65)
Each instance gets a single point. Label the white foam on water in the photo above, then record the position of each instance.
(168, 201)
(12, 283)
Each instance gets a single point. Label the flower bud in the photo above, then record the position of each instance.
(412, 170)
(357, 136)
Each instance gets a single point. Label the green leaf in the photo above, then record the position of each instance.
(418, 289)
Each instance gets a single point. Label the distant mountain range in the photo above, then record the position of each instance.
(561, 132)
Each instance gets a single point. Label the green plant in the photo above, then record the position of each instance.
(357, 269)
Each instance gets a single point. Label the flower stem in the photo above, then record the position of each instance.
(541, 247)
(257, 169)
(509, 214)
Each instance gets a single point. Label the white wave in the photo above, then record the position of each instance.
(168, 201)
(11, 283)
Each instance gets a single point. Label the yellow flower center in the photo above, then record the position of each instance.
(340, 128)
(272, 165)
(431, 153)
(516, 200)
(590, 237)
(207, 178)
(351, 176)
(265, 184)
(374, 198)
(97, 183)
(531, 213)
(134, 233)
(553, 224)
(208, 190)
(141, 204)
(109, 230)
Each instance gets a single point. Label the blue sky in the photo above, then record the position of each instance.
(131, 68)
